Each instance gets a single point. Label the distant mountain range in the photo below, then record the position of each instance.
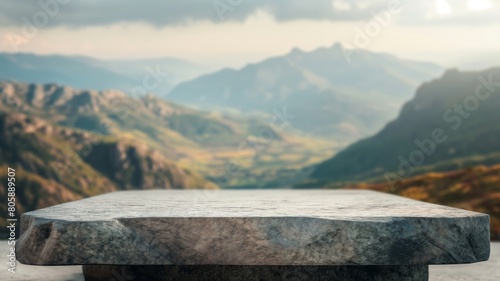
(452, 122)
(90, 73)
(329, 95)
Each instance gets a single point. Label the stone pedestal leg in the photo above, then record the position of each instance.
(257, 273)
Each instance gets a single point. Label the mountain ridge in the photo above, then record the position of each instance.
(92, 73)
(446, 112)
(328, 92)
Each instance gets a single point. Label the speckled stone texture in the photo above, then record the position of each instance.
(255, 273)
(254, 227)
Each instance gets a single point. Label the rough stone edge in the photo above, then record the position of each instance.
(57, 237)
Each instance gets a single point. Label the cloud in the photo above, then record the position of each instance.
(162, 13)
(169, 12)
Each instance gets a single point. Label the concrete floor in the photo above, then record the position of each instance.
(486, 271)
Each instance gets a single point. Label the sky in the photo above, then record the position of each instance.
(219, 33)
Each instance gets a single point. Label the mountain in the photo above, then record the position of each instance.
(91, 73)
(235, 150)
(36, 146)
(327, 94)
(452, 122)
(476, 189)
(54, 165)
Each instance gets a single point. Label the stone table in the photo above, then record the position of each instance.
(252, 235)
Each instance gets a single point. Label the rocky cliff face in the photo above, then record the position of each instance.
(139, 167)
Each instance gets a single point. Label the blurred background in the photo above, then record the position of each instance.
(401, 97)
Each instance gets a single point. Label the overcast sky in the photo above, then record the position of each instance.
(235, 32)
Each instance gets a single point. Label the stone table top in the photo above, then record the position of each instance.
(252, 227)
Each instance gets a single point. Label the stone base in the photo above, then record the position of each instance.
(257, 273)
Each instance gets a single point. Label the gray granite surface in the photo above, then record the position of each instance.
(264, 227)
